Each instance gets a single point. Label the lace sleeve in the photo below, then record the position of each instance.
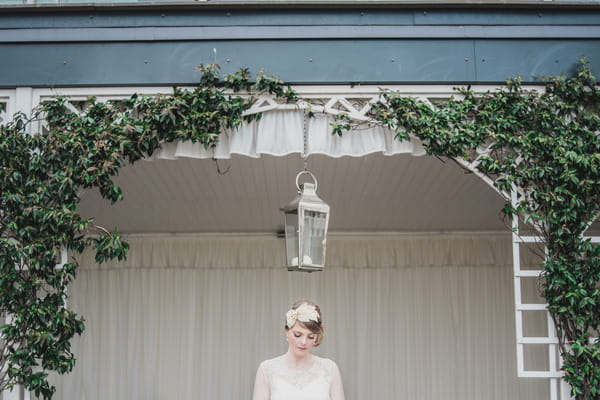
(336, 392)
(261, 385)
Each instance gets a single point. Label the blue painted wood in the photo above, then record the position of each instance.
(532, 58)
(11, 18)
(174, 17)
(535, 16)
(154, 33)
(133, 46)
(297, 61)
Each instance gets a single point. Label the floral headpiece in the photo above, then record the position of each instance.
(304, 313)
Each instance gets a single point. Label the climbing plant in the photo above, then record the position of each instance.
(545, 145)
(42, 178)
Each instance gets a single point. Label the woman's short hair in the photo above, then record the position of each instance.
(315, 327)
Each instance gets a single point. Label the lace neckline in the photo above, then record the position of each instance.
(307, 365)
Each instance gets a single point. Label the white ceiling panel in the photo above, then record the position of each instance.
(375, 193)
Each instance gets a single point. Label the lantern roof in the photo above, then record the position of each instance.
(307, 198)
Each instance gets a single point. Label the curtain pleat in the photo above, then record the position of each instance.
(280, 133)
(406, 317)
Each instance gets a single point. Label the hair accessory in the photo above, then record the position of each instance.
(304, 313)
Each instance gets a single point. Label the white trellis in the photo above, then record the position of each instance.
(353, 101)
(6, 105)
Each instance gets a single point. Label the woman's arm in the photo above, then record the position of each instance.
(336, 392)
(261, 386)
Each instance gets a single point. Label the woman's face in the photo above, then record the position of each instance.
(301, 340)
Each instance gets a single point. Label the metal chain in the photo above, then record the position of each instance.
(305, 139)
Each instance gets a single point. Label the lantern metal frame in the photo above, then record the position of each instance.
(306, 220)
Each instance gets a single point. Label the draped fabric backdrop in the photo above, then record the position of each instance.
(410, 317)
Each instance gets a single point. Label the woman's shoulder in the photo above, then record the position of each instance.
(325, 367)
(268, 365)
(326, 363)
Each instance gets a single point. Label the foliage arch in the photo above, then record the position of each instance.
(545, 145)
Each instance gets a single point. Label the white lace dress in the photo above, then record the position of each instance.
(276, 380)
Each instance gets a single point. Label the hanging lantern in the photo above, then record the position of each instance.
(306, 221)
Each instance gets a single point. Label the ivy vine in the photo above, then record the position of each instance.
(42, 178)
(546, 146)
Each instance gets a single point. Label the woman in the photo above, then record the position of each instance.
(298, 374)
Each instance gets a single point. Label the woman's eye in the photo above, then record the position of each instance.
(297, 335)
(311, 337)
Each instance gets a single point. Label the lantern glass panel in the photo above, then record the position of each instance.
(291, 237)
(313, 237)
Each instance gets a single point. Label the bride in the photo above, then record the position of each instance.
(298, 374)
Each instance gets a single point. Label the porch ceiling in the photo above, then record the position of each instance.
(375, 193)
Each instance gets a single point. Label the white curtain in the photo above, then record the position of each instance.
(427, 317)
(280, 133)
